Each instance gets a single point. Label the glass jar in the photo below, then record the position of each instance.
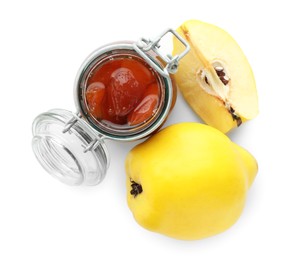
(70, 146)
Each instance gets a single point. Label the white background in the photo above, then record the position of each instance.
(41, 48)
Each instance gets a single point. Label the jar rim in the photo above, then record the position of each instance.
(137, 132)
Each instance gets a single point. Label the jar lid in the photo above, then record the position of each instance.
(68, 148)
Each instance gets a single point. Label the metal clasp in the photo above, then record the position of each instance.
(145, 45)
(93, 144)
(71, 122)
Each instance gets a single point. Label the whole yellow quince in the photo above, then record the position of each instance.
(188, 181)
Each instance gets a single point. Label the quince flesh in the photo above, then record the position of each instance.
(215, 77)
(188, 181)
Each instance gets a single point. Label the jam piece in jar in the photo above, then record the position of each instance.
(94, 96)
(147, 107)
(122, 91)
(141, 72)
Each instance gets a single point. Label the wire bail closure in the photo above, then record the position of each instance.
(145, 45)
(77, 117)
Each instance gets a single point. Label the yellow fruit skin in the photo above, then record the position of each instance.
(208, 44)
(250, 163)
(194, 181)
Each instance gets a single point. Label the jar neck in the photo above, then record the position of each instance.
(115, 132)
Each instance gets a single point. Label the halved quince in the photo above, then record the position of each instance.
(215, 77)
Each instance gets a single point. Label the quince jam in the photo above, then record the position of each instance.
(122, 91)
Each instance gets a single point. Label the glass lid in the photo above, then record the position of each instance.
(68, 148)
